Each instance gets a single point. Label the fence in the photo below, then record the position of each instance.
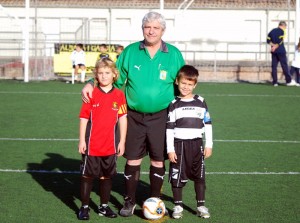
(211, 54)
(221, 54)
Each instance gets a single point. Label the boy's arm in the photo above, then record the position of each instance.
(123, 132)
(170, 135)
(82, 129)
(170, 146)
(208, 141)
(208, 134)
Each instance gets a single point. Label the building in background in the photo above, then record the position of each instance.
(211, 33)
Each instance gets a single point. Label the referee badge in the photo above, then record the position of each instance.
(163, 74)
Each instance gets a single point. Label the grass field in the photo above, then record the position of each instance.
(253, 175)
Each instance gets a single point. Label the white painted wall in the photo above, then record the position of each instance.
(206, 29)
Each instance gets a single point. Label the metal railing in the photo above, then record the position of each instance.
(216, 54)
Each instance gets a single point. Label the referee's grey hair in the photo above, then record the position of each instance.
(154, 16)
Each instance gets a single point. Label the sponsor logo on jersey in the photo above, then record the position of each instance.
(188, 108)
(137, 67)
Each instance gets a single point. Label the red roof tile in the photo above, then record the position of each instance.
(149, 4)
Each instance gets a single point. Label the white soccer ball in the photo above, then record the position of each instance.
(154, 208)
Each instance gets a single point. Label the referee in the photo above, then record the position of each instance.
(148, 69)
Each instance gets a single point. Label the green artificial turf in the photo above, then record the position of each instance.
(253, 175)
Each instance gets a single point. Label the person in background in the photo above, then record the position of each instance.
(188, 121)
(78, 62)
(276, 40)
(119, 50)
(295, 67)
(106, 108)
(148, 69)
(103, 52)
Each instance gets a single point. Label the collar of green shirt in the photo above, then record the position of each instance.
(163, 46)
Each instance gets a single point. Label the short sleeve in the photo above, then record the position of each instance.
(85, 111)
(123, 106)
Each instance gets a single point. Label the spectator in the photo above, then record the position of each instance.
(276, 40)
(296, 64)
(119, 50)
(103, 52)
(78, 62)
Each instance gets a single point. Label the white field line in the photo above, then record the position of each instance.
(36, 92)
(35, 139)
(252, 95)
(256, 141)
(215, 140)
(146, 173)
(215, 95)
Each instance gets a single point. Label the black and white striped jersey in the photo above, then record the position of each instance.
(188, 119)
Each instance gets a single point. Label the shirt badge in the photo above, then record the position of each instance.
(115, 106)
(163, 74)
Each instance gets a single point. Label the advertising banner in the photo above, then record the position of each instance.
(62, 63)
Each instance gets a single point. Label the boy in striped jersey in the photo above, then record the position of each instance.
(188, 121)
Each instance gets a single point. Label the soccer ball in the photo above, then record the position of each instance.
(154, 208)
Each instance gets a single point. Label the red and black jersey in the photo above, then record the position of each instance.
(103, 112)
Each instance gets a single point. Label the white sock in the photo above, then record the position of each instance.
(73, 73)
(83, 76)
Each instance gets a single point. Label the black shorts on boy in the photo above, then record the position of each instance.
(99, 166)
(190, 163)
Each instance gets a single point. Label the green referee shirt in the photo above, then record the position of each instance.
(149, 81)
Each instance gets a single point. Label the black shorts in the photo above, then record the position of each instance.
(190, 162)
(99, 166)
(79, 65)
(146, 134)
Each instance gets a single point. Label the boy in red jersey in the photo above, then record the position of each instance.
(98, 120)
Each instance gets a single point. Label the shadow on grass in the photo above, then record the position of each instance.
(51, 175)
(59, 175)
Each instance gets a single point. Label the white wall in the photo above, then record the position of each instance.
(205, 29)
